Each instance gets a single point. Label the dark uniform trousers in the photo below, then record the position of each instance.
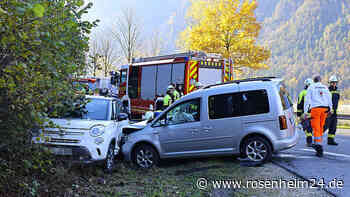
(331, 122)
(306, 123)
(331, 125)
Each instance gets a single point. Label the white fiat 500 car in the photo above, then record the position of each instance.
(91, 137)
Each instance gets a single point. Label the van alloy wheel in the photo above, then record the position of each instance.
(145, 156)
(257, 149)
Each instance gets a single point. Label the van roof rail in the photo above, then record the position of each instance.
(242, 80)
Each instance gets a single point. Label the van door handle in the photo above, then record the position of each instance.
(208, 128)
(193, 130)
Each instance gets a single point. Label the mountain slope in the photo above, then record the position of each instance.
(306, 37)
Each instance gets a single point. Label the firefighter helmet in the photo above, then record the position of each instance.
(333, 78)
(170, 87)
(198, 85)
(308, 82)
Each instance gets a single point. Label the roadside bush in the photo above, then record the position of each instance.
(43, 44)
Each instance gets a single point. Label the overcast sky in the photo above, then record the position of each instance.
(153, 14)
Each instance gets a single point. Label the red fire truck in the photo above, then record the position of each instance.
(145, 79)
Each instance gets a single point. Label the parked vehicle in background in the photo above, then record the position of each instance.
(146, 79)
(87, 135)
(252, 118)
(100, 83)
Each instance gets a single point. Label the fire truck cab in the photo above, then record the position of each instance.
(146, 79)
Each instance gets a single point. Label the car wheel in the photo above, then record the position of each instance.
(145, 156)
(110, 159)
(257, 149)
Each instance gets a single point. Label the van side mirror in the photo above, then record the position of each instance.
(122, 116)
(160, 123)
(163, 122)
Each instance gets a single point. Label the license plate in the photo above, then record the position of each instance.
(61, 151)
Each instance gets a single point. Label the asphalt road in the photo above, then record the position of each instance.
(333, 169)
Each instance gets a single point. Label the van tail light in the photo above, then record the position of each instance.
(283, 122)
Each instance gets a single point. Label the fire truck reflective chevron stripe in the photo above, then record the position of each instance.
(227, 72)
(191, 75)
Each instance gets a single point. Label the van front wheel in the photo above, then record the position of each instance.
(145, 156)
(257, 149)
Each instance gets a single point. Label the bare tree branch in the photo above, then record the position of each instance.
(153, 45)
(127, 33)
(108, 55)
(94, 56)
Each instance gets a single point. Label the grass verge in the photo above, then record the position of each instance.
(178, 178)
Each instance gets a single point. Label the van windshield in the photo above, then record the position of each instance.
(285, 97)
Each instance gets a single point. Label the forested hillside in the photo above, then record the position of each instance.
(307, 37)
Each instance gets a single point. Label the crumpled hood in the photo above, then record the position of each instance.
(79, 123)
(135, 127)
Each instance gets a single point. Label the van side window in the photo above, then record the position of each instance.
(254, 102)
(189, 111)
(224, 106)
(285, 98)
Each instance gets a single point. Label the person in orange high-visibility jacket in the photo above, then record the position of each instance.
(318, 101)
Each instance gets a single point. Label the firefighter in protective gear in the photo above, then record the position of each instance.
(176, 93)
(159, 107)
(198, 85)
(331, 122)
(318, 101)
(305, 121)
(169, 97)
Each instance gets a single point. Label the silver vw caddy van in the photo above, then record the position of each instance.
(252, 118)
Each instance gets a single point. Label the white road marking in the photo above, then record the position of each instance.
(293, 156)
(328, 153)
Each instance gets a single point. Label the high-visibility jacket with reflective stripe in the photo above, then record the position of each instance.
(335, 97)
(176, 95)
(300, 106)
(317, 95)
(167, 100)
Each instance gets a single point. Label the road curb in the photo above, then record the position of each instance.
(301, 177)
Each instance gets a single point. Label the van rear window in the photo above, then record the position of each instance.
(285, 97)
(255, 102)
(238, 104)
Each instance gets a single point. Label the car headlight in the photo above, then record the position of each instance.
(97, 131)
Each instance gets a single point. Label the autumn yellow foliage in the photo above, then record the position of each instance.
(228, 27)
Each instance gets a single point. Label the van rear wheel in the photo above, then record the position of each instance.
(257, 149)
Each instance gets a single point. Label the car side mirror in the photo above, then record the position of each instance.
(122, 116)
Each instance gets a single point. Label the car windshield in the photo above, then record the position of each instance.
(91, 108)
(96, 109)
